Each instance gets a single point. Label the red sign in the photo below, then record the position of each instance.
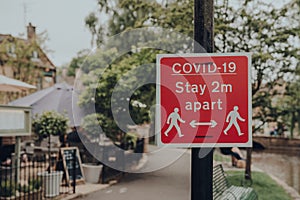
(205, 100)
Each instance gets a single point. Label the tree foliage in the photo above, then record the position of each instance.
(23, 59)
(17, 54)
(269, 33)
(50, 123)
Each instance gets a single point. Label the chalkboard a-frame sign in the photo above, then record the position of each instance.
(67, 157)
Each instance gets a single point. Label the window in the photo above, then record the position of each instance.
(11, 49)
(35, 56)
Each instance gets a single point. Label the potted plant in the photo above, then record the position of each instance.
(50, 123)
(92, 170)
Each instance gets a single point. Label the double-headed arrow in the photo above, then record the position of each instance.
(212, 123)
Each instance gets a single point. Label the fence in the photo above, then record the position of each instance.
(30, 180)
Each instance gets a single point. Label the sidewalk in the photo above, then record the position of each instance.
(291, 191)
(87, 188)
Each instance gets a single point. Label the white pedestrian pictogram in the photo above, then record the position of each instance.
(232, 118)
(174, 117)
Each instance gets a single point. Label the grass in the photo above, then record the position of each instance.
(221, 158)
(264, 185)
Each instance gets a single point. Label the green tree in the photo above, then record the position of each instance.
(47, 124)
(98, 93)
(50, 123)
(288, 104)
(77, 62)
(261, 30)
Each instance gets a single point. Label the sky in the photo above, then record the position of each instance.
(62, 19)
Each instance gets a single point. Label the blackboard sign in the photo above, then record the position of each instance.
(68, 162)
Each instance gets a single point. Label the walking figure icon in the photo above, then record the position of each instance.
(233, 118)
(174, 117)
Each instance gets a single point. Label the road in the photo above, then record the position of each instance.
(171, 182)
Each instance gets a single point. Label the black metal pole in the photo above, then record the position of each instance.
(74, 171)
(203, 26)
(103, 174)
(49, 153)
(201, 168)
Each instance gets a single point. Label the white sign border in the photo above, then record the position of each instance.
(194, 145)
(26, 131)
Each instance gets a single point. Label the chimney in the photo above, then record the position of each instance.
(31, 32)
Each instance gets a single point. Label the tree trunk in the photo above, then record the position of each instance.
(298, 120)
(248, 164)
(293, 121)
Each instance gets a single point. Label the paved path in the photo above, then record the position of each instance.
(171, 182)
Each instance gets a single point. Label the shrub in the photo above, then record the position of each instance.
(35, 184)
(50, 123)
(7, 189)
(24, 188)
(96, 124)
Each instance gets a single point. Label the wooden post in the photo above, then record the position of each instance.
(201, 168)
